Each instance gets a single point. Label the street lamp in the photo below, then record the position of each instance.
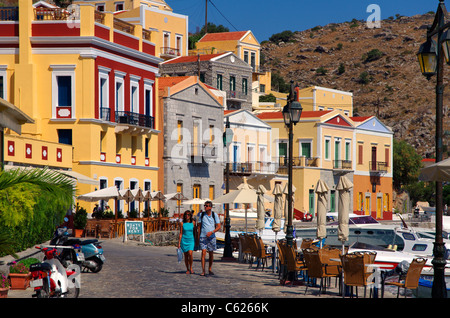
(431, 60)
(291, 115)
(228, 250)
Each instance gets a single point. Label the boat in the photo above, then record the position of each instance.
(365, 229)
(388, 257)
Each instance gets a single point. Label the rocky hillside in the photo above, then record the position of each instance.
(378, 65)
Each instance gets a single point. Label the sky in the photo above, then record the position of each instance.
(267, 17)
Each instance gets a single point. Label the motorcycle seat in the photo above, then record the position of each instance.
(81, 242)
(40, 267)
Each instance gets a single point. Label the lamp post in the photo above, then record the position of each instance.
(291, 115)
(228, 250)
(431, 59)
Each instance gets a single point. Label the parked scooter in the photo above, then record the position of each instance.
(86, 253)
(51, 280)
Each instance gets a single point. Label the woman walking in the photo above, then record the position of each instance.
(186, 240)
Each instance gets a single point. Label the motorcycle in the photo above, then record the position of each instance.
(51, 280)
(86, 253)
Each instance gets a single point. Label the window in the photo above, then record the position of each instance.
(360, 154)
(219, 81)
(146, 147)
(134, 96)
(179, 41)
(100, 7)
(244, 86)
(246, 57)
(211, 192)
(332, 201)
(306, 149)
(347, 150)
(63, 91)
(386, 156)
(262, 88)
(118, 6)
(148, 102)
(119, 105)
(232, 83)
(65, 136)
(253, 59)
(180, 131)
(3, 82)
(327, 148)
(103, 87)
(202, 77)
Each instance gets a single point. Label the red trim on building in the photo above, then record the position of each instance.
(9, 29)
(28, 151)
(126, 40)
(101, 32)
(54, 29)
(339, 121)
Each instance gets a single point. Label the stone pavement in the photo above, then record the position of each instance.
(134, 270)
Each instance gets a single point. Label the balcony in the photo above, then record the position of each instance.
(248, 168)
(258, 70)
(378, 167)
(237, 96)
(135, 119)
(169, 52)
(297, 162)
(53, 14)
(342, 164)
(9, 14)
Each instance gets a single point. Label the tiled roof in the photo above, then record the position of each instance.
(192, 58)
(360, 118)
(223, 36)
(170, 81)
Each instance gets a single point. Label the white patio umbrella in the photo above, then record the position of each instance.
(102, 194)
(195, 201)
(127, 196)
(439, 171)
(344, 186)
(286, 204)
(260, 210)
(138, 195)
(178, 196)
(322, 193)
(277, 208)
(244, 195)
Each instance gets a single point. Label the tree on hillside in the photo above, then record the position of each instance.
(284, 36)
(212, 28)
(407, 164)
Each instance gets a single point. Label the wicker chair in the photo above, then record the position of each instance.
(262, 256)
(411, 280)
(356, 273)
(245, 248)
(320, 266)
(293, 263)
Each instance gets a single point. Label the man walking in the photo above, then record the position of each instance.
(208, 224)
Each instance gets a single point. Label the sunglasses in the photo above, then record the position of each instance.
(206, 205)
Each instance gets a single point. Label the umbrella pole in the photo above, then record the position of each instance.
(245, 218)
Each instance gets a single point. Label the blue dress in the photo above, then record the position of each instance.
(187, 239)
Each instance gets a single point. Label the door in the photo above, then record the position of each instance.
(374, 159)
(311, 202)
(379, 210)
(196, 195)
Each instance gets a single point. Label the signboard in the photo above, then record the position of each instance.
(134, 228)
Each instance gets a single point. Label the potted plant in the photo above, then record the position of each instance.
(19, 275)
(4, 286)
(79, 221)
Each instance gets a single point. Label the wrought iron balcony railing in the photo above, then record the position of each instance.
(378, 166)
(342, 164)
(252, 167)
(9, 14)
(126, 117)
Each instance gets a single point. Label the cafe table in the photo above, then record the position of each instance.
(377, 275)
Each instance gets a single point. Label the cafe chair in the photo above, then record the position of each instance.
(293, 263)
(356, 272)
(411, 279)
(281, 260)
(262, 255)
(320, 266)
(245, 248)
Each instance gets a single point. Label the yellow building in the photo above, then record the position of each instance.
(168, 30)
(87, 80)
(328, 144)
(321, 98)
